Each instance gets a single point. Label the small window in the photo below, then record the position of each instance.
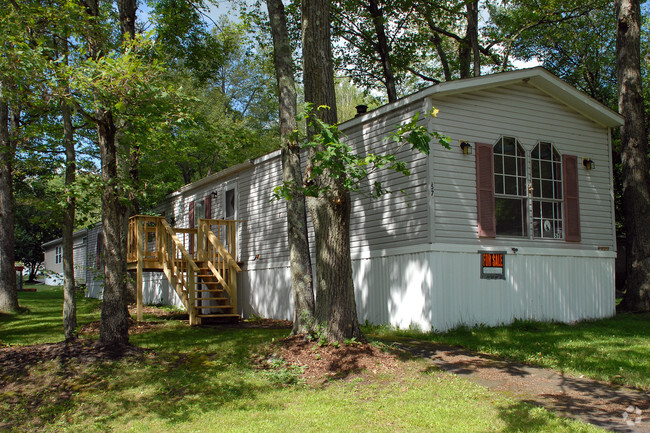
(58, 255)
(199, 212)
(230, 203)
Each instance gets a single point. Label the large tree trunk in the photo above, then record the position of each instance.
(634, 153)
(69, 300)
(8, 290)
(330, 210)
(127, 14)
(114, 322)
(472, 35)
(382, 49)
(300, 259)
(129, 152)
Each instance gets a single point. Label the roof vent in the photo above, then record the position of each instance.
(361, 109)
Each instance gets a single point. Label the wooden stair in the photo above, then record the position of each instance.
(212, 300)
(199, 266)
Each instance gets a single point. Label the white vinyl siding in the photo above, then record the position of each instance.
(264, 232)
(529, 115)
(401, 217)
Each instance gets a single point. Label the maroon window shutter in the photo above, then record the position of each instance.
(99, 250)
(571, 202)
(191, 225)
(485, 191)
(207, 206)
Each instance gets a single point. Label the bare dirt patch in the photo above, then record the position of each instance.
(321, 364)
(15, 361)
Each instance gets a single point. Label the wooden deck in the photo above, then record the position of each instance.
(200, 263)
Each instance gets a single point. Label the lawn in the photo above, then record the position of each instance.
(615, 350)
(203, 380)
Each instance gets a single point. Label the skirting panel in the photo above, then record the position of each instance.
(442, 290)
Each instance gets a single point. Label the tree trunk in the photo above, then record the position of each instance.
(472, 35)
(330, 210)
(69, 300)
(8, 290)
(127, 14)
(114, 322)
(130, 151)
(382, 49)
(634, 153)
(437, 42)
(299, 256)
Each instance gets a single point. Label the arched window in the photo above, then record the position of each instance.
(510, 192)
(533, 195)
(546, 177)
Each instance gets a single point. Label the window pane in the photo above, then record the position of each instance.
(498, 184)
(509, 165)
(547, 189)
(547, 171)
(510, 217)
(537, 188)
(511, 185)
(498, 164)
(498, 148)
(509, 146)
(545, 151)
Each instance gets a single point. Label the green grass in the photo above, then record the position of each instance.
(202, 380)
(41, 320)
(616, 350)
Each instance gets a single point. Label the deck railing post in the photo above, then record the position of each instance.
(200, 241)
(140, 269)
(190, 286)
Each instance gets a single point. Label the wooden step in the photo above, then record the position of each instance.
(218, 315)
(215, 307)
(211, 299)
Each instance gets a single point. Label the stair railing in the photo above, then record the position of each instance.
(218, 258)
(180, 269)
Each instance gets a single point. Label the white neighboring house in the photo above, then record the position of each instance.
(53, 268)
(521, 226)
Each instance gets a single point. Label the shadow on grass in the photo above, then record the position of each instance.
(615, 349)
(209, 371)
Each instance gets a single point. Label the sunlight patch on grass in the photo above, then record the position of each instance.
(41, 319)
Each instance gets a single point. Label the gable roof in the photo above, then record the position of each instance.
(537, 77)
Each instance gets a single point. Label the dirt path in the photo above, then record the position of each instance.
(616, 409)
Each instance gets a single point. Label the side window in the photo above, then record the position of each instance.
(99, 249)
(546, 177)
(58, 255)
(199, 212)
(230, 205)
(510, 192)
